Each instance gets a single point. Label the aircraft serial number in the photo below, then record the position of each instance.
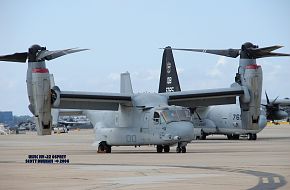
(237, 117)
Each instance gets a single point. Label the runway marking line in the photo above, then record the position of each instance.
(265, 180)
(276, 180)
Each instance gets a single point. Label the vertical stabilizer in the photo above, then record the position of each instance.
(126, 86)
(168, 77)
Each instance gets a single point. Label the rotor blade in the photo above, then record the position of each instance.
(225, 52)
(270, 48)
(275, 100)
(267, 98)
(257, 53)
(49, 55)
(16, 57)
(272, 54)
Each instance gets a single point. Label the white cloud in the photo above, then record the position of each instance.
(114, 76)
(148, 75)
(219, 68)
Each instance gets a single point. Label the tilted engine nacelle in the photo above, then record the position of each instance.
(250, 76)
(39, 82)
(38, 88)
(277, 115)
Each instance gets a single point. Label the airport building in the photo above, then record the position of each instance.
(6, 117)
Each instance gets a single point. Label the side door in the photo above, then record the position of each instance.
(146, 122)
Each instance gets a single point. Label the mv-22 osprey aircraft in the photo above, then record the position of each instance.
(129, 119)
(228, 119)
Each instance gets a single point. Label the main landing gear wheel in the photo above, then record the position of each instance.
(230, 137)
(233, 137)
(166, 148)
(236, 137)
(104, 148)
(180, 149)
(203, 136)
(159, 148)
(252, 136)
(183, 149)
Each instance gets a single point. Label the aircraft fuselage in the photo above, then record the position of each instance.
(226, 120)
(155, 124)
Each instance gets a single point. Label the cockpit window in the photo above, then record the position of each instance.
(156, 117)
(184, 115)
(175, 115)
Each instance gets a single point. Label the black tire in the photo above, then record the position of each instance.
(108, 149)
(254, 137)
(178, 149)
(250, 136)
(104, 148)
(159, 148)
(183, 149)
(101, 148)
(236, 137)
(230, 137)
(166, 148)
(203, 137)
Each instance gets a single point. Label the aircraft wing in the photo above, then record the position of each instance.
(282, 102)
(207, 97)
(92, 100)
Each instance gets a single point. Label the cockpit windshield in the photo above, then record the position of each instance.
(175, 115)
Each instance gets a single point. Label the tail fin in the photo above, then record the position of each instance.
(126, 86)
(168, 77)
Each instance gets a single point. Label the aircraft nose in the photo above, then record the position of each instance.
(184, 130)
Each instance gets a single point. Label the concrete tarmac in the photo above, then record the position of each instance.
(216, 163)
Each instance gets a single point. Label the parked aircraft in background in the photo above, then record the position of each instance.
(276, 109)
(3, 130)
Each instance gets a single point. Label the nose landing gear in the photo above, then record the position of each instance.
(104, 148)
(181, 148)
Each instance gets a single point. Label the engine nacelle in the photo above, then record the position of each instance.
(277, 115)
(38, 88)
(251, 77)
(42, 100)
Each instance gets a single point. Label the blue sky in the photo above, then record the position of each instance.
(125, 36)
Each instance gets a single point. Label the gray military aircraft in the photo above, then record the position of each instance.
(129, 119)
(276, 109)
(227, 119)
